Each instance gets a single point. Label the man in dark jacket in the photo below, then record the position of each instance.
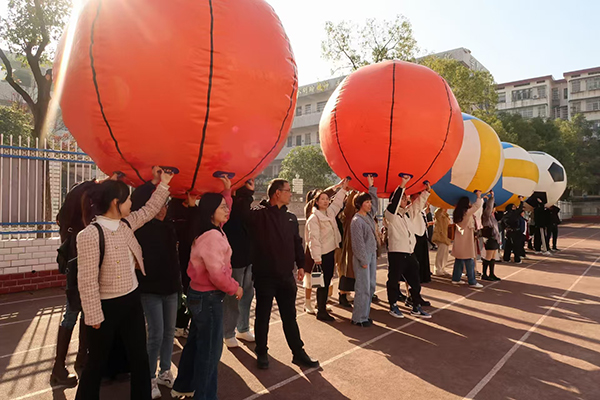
(160, 287)
(277, 246)
(554, 220)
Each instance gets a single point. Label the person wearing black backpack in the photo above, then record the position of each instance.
(108, 286)
(71, 221)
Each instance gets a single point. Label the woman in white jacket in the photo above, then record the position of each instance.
(323, 238)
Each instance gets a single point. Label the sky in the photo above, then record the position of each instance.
(513, 39)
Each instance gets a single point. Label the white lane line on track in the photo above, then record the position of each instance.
(30, 300)
(303, 374)
(486, 379)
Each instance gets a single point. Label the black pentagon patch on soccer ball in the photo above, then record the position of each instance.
(556, 172)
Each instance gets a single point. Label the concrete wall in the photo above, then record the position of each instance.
(27, 255)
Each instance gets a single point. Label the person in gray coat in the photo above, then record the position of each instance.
(364, 246)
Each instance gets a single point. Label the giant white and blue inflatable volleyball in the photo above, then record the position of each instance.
(520, 176)
(478, 166)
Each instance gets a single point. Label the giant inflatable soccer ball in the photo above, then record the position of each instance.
(203, 86)
(553, 177)
(477, 167)
(520, 176)
(390, 118)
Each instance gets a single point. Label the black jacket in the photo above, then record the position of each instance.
(161, 260)
(159, 249)
(274, 236)
(237, 232)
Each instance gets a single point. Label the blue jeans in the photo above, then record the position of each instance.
(202, 352)
(458, 269)
(364, 288)
(70, 317)
(237, 313)
(161, 313)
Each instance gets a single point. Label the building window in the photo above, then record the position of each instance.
(502, 97)
(593, 105)
(596, 126)
(566, 93)
(575, 107)
(593, 84)
(527, 113)
(289, 141)
(307, 139)
(564, 113)
(308, 109)
(298, 111)
(555, 94)
(576, 86)
(299, 140)
(318, 138)
(542, 111)
(541, 92)
(523, 94)
(321, 106)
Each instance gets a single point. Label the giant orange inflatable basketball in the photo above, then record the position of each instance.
(202, 86)
(390, 118)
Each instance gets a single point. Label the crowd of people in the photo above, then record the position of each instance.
(141, 269)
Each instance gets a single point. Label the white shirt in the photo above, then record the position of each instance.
(113, 225)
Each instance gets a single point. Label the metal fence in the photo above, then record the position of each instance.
(34, 179)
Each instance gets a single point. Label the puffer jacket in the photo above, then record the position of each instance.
(323, 233)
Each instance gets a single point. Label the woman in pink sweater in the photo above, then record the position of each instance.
(210, 273)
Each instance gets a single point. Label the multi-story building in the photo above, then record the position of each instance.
(545, 97)
(312, 99)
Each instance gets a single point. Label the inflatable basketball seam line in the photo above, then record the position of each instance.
(445, 139)
(387, 173)
(286, 115)
(95, 80)
(337, 136)
(208, 95)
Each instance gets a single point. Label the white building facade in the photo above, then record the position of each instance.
(545, 97)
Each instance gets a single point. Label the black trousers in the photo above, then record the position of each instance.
(514, 244)
(537, 238)
(183, 318)
(403, 265)
(422, 254)
(284, 291)
(552, 232)
(124, 319)
(328, 264)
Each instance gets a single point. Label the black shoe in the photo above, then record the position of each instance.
(426, 303)
(324, 316)
(494, 278)
(344, 301)
(365, 324)
(375, 299)
(486, 278)
(262, 361)
(303, 360)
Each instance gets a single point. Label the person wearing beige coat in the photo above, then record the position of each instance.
(323, 238)
(463, 250)
(441, 239)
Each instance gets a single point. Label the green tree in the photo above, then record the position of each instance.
(309, 164)
(16, 122)
(350, 46)
(28, 30)
(474, 90)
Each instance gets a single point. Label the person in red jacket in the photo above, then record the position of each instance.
(210, 281)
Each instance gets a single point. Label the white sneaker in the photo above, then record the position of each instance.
(231, 343)
(155, 390)
(546, 253)
(181, 395)
(476, 286)
(181, 333)
(458, 283)
(245, 336)
(308, 308)
(166, 378)
(328, 307)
